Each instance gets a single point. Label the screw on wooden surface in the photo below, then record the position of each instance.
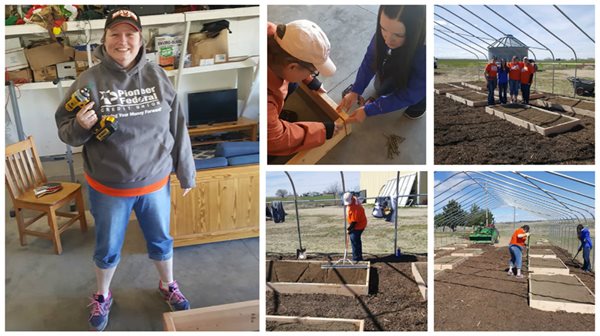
(393, 142)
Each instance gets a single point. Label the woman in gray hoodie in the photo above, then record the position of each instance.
(130, 169)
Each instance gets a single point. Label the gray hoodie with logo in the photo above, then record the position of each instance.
(152, 139)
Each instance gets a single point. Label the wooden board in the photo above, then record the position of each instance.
(447, 262)
(542, 253)
(578, 106)
(469, 252)
(240, 316)
(443, 88)
(479, 86)
(549, 130)
(224, 205)
(319, 288)
(358, 324)
(322, 108)
(421, 283)
(547, 266)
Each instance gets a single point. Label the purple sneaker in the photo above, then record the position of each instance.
(173, 297)
(99, 311)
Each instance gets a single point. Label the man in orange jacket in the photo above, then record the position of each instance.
(515, 247)
(527, 71)
(358, 223)
(296, 52)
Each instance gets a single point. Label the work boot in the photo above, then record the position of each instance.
(99, 311)
(173, 297)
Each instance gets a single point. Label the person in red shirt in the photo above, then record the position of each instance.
(527, 70)
(296, 52)
(514, 79)
(491, 71)
(358, 223)
(515, 247)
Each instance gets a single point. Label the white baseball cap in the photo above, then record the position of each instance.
(304, 40)
(347, 198)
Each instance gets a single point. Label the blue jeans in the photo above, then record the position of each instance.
(502, 92)
(515, 256)
(111, 216)
(587, 266)
(515, 85)
(525, 92)
(356, 244)
(491, 86)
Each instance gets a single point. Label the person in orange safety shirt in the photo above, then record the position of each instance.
(358, 223)
(491, 72)
(527, 71)
(514, 79)
(297, 52)
(515, 247)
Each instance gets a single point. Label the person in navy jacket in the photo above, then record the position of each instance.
(585, 240)
(396, 57)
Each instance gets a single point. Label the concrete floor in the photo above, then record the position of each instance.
(350, 29)
(45, 291)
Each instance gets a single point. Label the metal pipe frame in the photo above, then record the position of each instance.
(568, 18)
(457, 45)
(469, 40)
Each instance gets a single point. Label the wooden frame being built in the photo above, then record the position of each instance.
(240, 316)
(328, 108)
(223, 206)
(541, 266)
(421, 283)
(473, 103)
(550, 102)
(447, 262)
(318, 288)
(359, 325)
(554, 300)
(560, 128)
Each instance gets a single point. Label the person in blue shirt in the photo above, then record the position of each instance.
(396, 58)
(503, 70)
(586, 245)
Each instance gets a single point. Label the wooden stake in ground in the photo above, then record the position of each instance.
(393, 142)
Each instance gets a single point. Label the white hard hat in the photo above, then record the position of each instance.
(347, 198)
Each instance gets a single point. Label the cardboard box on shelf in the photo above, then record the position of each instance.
(81, 66)
(66, 69)
(49, 54)
(168, 49)
(206, 51)
(45, 74)
(23, 75)
(15, 59)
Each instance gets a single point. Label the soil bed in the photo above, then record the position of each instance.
(281, 271)
(582, 104)
(394, 301)
(322, 326)
(469, 135)
(478, 295)
(470, 95)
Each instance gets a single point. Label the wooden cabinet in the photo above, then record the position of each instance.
(224, 205)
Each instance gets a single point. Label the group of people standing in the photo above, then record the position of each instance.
(509, 76)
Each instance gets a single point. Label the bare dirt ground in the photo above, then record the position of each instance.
(479, 296)
(322, 231)
(394, 301)
(468, 135)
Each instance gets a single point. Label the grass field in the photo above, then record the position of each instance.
(322, 231)
(456, 70)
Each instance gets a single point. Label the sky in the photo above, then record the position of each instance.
(310, 181)
(502, 210)
(549, 16)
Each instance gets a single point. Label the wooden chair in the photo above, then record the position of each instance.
(23, 173)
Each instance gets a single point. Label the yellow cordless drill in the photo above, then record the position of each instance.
(106, 126)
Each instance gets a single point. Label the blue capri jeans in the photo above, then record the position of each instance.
(514, 86)
(111, 216)
(515, 256)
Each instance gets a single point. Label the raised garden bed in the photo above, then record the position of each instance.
(294, 276)
(295, 323)
(468, 97)
(468, 252)
(542, 253)
(447, 262)
(442, 88)
(578, 106)
(482, 86)
(547, 266)
(564, 293)
(534, 119)
(241, 316)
